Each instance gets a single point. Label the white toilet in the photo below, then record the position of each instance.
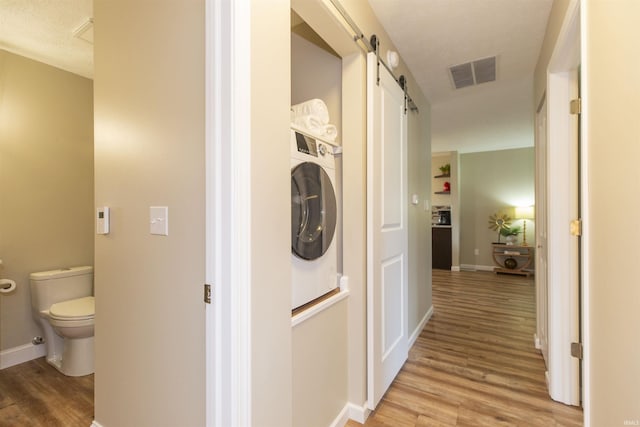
(63, 304)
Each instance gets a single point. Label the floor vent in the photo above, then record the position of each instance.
(473, 73)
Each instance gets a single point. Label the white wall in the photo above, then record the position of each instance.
(46, 171)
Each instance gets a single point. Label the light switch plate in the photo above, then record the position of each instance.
(159, 220)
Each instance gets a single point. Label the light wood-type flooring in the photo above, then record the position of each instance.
(475, 363)
(35, 394)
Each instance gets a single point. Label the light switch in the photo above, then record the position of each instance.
(159, 220)
(415, 200)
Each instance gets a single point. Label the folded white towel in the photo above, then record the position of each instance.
(314, 125)
(330, 132)
(309, 122)
(313, 107)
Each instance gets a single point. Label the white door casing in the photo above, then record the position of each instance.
(228, 243)
(541, 232)
(563, 254)
(387, 271)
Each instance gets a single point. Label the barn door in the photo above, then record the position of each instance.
(387, 338)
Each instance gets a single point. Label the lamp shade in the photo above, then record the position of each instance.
(524, 212)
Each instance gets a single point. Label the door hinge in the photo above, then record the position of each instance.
(576, 227)
(207, 293)
(575, 106)
(576, 350)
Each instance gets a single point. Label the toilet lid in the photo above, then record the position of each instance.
(75, 308)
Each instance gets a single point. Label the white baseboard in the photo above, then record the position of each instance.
(23, 353)
(351, 412)
(471, 267)
(95, 424)
(455, 268)
(536, 342)
(416, 333)
(358, 413)
(342, 418)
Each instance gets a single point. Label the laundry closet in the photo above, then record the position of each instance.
(319, 336)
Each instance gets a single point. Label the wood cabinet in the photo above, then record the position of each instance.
(513, 259)
(441, 247)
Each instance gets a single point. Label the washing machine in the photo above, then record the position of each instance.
(313, 218)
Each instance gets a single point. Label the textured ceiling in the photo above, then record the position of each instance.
(433, 35)
(430, 35)
(44, 30)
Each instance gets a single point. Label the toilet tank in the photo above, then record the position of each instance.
(50, 287)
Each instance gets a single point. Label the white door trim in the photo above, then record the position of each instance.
(228, 207)
(562, 185)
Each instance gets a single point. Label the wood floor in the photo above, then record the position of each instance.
(35, 394)
(474, 364)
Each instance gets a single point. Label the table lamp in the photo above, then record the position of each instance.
(524, 213)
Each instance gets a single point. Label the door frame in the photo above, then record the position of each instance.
(541, 278)
(562, 185)
(228, 244)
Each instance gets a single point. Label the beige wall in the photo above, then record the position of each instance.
(611, 66)
(320, 367)
(46, 171)
(149, 151)
(490, 182)
(271, 228)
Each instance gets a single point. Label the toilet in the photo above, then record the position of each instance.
(62, 304)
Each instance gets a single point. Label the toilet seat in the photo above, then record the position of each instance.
(75, 309)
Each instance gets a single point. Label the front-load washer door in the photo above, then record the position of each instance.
(313, 211)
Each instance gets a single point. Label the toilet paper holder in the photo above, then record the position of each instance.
(7, 285)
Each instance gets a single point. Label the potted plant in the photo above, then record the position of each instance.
(445, 169)
(510, 234)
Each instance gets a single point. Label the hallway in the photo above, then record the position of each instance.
(474, 364)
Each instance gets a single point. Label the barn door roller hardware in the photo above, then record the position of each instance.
(372, 45)
(402, 81)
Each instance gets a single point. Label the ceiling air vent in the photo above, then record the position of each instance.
(473, 73)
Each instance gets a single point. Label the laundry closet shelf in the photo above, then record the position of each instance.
(318, 308)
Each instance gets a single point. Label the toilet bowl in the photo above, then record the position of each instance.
(63, 305)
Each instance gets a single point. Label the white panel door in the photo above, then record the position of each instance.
(387, 338)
